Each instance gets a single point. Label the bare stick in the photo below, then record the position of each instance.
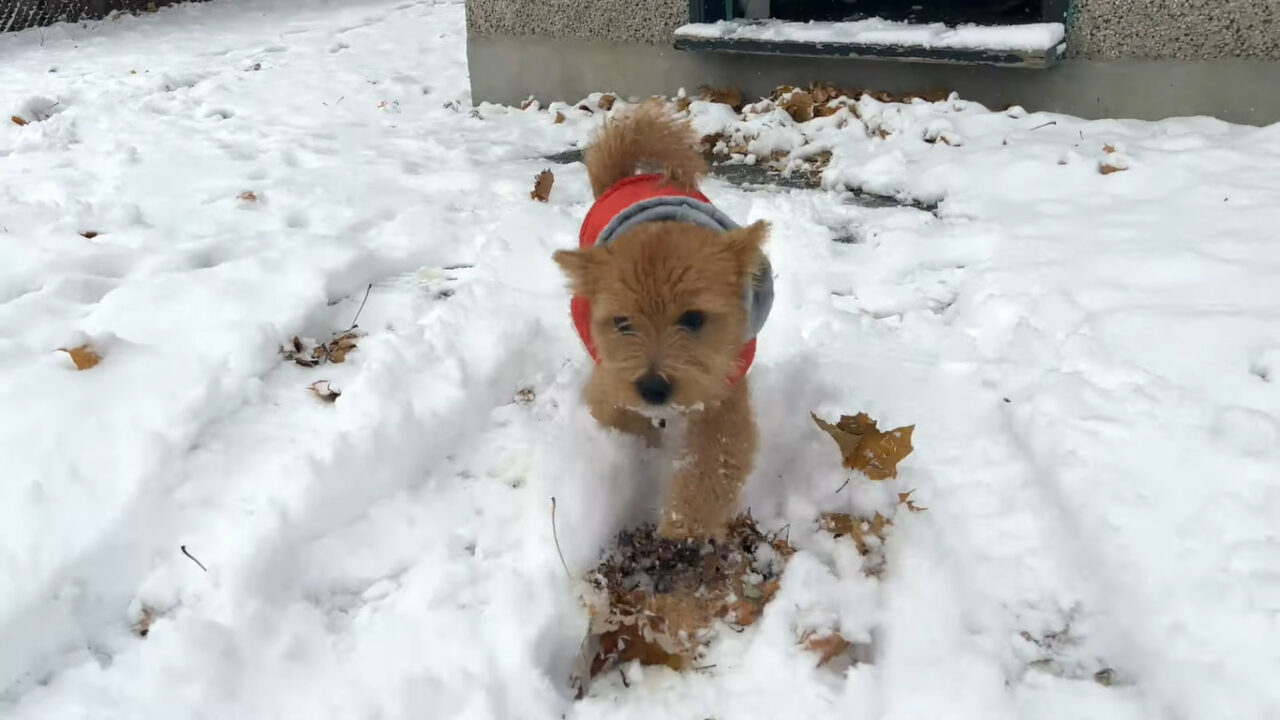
(367, 290)
(845, 485)
(556, 536)
(193, 558)
(1044, 125)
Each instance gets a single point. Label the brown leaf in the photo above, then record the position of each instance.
(587, 108)
(682, 104)
(730, 95)
(1108, 168)
(827, 646)
(607, 101)
(83, 356)
(88, 234)
(18, 121)
(528, 102)
(865, 448)
(559, 118)
(542, 186)
(709, 142)
(826, 109)
(339, 348)
(859, 529)
(247, 196)
(1108, 148)
(822, 93)
(799, 105)
(628, 643)
(325, 391)
(905, 499)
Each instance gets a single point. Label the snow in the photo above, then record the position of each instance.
(877, 31)
(1090, 361)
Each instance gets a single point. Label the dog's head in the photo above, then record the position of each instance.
(667, 312)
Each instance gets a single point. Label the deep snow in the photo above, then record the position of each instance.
(1090, 361)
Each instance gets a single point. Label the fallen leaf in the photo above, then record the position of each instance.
(324, 391)
(905, 499)
(781, 90)
(709, 142)
(247, 196)
(682, 104)
(528, 102)
(89, 234)
(859, 529)
(340, 346)
(865, 448)
(587, 108)
(18, 121)
(559, 118)
(83, 356)
(822, 93)
(799, 105)
(524, 396)
(542, 186)
(607, 101)
(1108, 149)
(1108, 168)
(729, 95)
(826, 109)
(826, 645)
(660, 601)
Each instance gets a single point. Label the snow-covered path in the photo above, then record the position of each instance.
(1092, 363)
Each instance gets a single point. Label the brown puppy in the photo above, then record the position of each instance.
(669, 294)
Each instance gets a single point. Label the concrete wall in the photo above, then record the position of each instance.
(1099, 29)
(1147, 59)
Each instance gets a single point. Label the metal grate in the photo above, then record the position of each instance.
(21, 14)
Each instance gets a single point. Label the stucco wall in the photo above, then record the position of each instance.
(1175, 29)
(1099, 29)
(649, 21)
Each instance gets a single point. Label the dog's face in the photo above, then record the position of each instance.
(667, 312)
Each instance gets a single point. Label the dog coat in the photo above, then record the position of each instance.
(648, 198)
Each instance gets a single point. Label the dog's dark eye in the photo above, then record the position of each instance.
(692, 320)
(622, 324)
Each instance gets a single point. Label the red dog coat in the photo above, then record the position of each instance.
(628, 197)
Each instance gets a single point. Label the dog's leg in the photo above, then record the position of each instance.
(609, 414)
(719, 455)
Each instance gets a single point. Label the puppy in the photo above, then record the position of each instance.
(668, 296)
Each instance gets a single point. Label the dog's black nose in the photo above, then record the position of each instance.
(654, 389)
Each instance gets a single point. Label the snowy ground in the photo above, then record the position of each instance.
(1092, 363)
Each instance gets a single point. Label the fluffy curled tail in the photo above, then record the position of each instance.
(648, 139)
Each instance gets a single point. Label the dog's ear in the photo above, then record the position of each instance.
(745, 245)
(581, 267)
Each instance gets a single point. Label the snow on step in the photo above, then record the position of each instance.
(876, 31)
